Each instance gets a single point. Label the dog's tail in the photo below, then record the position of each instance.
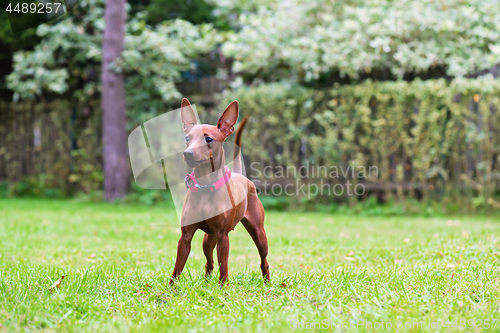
(237, 147)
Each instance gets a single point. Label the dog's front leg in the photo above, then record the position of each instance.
(223, 256)
(183, 250)
(209, 243)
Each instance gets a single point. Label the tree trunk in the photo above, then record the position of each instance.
(114, 135)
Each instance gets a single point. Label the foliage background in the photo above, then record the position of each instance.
(408, 86)
(328, 40)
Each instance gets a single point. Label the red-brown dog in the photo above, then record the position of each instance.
(209, 186)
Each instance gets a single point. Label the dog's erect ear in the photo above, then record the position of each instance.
(228, 119)
(188, 116)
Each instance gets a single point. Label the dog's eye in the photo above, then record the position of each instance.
(208, 139)
(186, 138)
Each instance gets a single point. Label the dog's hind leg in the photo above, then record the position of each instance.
(209, 242)
(253, 221)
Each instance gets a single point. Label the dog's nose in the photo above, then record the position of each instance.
(188, 153)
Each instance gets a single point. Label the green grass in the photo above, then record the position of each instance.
(117, 259)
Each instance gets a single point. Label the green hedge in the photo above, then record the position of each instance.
(435, 137)
(429, 139)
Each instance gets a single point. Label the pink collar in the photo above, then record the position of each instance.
(193, 186)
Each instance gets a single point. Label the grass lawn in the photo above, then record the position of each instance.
(329, 269)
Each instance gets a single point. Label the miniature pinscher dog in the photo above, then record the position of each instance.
(219, 184)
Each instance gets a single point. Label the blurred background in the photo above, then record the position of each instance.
(410, 87)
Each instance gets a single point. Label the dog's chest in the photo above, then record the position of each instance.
(224, 203)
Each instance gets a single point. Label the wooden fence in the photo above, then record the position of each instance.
(52, 140)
